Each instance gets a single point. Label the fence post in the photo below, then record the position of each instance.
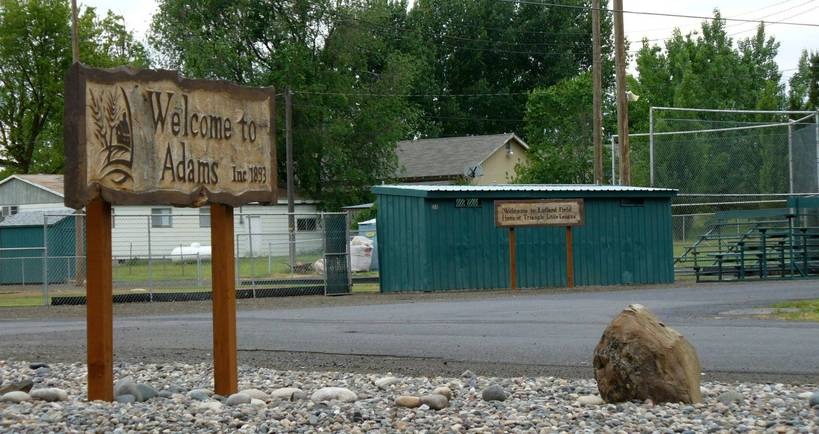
(238, 264)
(347, 240)
(45, 260)
(198, 270)
(790, 244)
(150, 263)
(252, 257)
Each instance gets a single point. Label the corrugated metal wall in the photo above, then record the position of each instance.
(26, 266)
(430, 245)
(405, 230)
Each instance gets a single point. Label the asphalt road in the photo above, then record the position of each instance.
(524, 334)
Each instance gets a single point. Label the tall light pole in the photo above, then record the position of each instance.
(622, 103)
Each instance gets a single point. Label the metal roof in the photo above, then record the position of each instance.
(521, 190)
(50, 183)
(35, 218)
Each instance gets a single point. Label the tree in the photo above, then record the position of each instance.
(488, 47)
(559, 130)
(708, 70)
(804, 84)
(343, 58)
(35, 52)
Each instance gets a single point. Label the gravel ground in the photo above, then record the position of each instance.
(533, 404)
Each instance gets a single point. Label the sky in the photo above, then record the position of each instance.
(793, 39)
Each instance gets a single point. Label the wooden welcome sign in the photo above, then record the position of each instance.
(145, 137)
(546, 212)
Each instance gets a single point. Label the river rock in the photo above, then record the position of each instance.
(238, 399)
(208, 405)
(19, 386)
(814, 399)
(199, 395)
(435, 401)
(288, 393)
(730, 396)
(493, 393)
(146, 392)
(16, 396)
(126, 398)
(126, 386)
(334, 394)
(256, 394)
(443, 390)
(408, 401)
(383, 383)
(49, 394)
(639, 358)
(589, 400)
(37, 365)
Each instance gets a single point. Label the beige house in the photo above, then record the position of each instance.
(478, 160)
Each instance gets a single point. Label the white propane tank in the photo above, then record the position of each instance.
(189, 253)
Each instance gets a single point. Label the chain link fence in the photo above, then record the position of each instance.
(166, 256)
(722, 160)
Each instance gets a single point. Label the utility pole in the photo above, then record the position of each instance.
(291, 208)
(597, 74)
(75, 44)
(622, 103)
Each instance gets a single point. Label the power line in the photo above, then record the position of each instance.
(410, 95)
(665, 29)
(772, 23)
(761, 20)
(662, 14)
(569, 44)
(503, 29)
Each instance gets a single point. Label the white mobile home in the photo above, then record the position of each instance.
(140, 231)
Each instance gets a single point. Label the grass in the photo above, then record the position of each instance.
(808, 310)
(164, 270)
(18, 296)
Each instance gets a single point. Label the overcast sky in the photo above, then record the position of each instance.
(793, 39)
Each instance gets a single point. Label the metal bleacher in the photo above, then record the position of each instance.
(758, 244)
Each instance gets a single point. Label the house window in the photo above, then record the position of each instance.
(204, 217)
(472, 202)
(9, 210)
(161, 218)
(307, 224)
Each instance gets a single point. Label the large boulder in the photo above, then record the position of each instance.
(639, 358)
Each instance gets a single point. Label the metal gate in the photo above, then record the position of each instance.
(338, 278)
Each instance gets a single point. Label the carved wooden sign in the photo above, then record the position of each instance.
(140, 137)
(551, 212)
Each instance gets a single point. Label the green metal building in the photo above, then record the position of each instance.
(443, 237)
(22, 248)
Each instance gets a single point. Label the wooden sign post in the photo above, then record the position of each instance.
(143, 137)
(548, 212)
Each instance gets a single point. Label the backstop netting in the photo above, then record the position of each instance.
(722, 160)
